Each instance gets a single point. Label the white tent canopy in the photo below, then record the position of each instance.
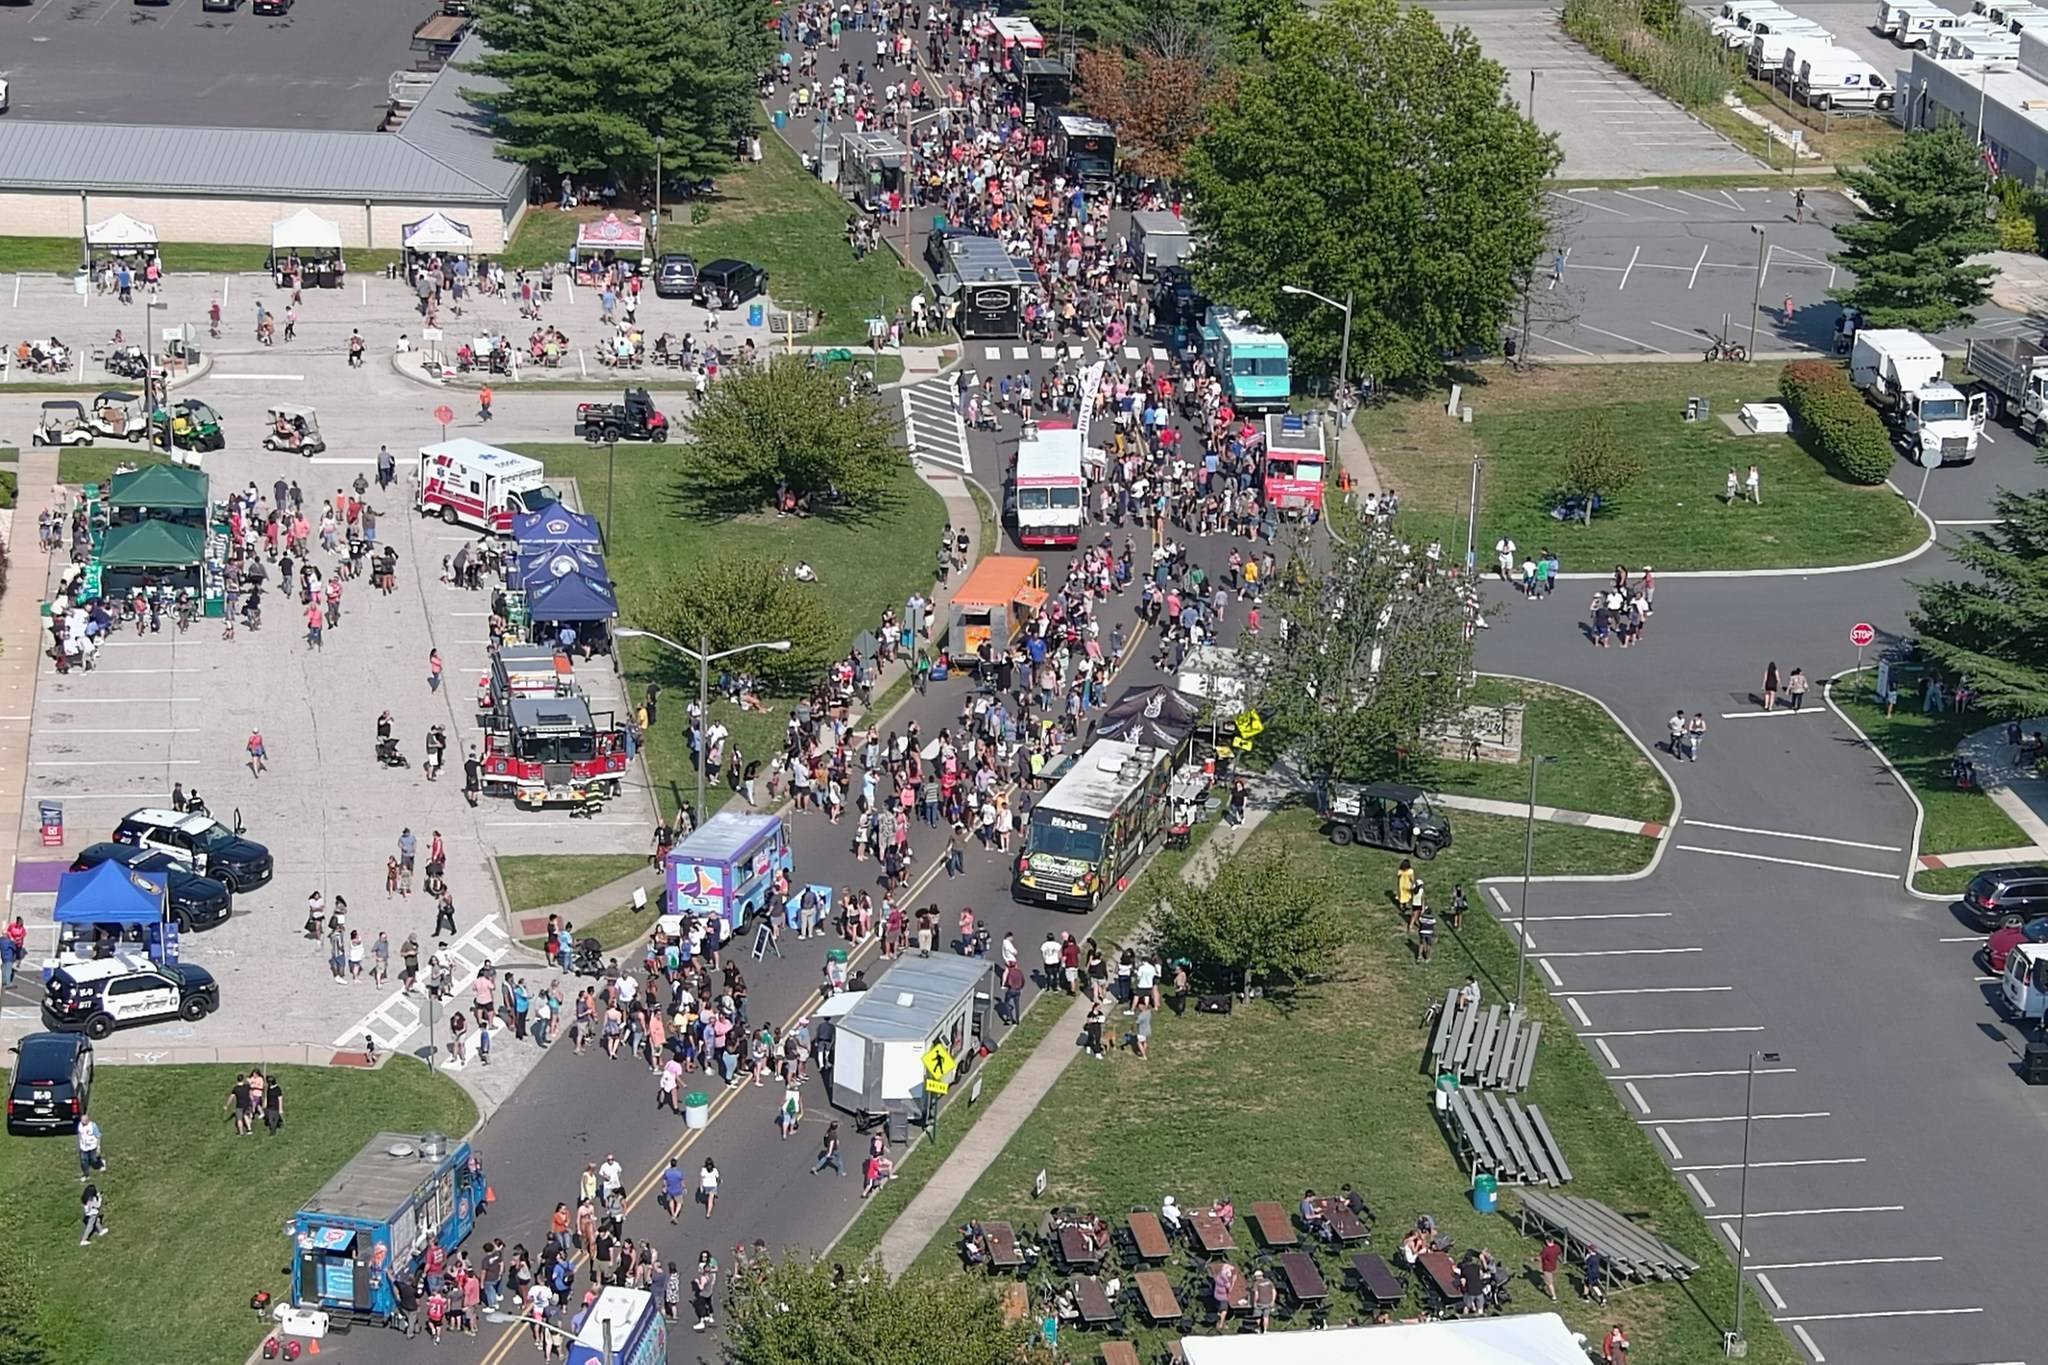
(120, 230)
(437, 232)
(305, 231)
(1526, 1339)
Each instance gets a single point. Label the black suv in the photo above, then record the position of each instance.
(52, 1083)
(196, 902)
(726, 283)
(676, 276)
(2001, 896)
(199, 843)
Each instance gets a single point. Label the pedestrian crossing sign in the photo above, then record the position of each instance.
(1249, 726)
(1241, 744)
(938, 1064)
(934, 1086)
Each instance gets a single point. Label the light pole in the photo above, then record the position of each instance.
(1528, 866)
(1472, 521)
(497, 1318)
(1738, 1345)
(1756, 303)
(1343, 350)
(705, 658)
(611, 460)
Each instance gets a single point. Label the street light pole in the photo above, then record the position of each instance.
(1738, 1345)
(1528, 866)
(527, 1320)
(1756, 303)
(705, 658)
(1344, 349)
(611, 459)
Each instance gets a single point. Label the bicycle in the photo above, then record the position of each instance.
(1726, 350)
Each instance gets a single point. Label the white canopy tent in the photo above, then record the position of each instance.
(437, 232)
(120, 231)
(1526, 1339)
(305, 231)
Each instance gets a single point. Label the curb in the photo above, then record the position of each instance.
(1827, 694)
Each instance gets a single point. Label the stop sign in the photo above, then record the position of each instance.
(1862, 633)
(444, 414)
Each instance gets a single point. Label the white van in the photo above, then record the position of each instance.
(1837, 78)
(1766, 57)
(1736, 18)
(1978, 45)
(1796, 49)
(1891, 14)
(2004, 12)
(1924, 30)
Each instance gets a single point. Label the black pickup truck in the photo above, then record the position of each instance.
(633, 420)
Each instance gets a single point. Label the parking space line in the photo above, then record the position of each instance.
(1662, 1032)
(1761, 1165)
(164, 730)
(1690, 333)
(1657, 990)
(107, 762)
(1669, 1145)
(1764, 1283)
(1623, 952)
(1791, 862)
(1606, 1051)
(1820, 1213)
(1706, 1200)
(1566, 344)
(1701, 197)
(1854, 1260)
(1698, 1075)
(1549, 971)
(1588, 203)
(1807, 1341)
(1756, 1118)
(1881, 1313)
(1580, 1010)
(1618, 914)
(1651, 202)
(1698, 263)
(1619, 337)
(1631, 266)
(1807, 838)
(1962, 938)
(1642, 1105)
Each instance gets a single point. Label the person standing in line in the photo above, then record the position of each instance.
(1771, 685)
(1141, 1030)
(703, 1288)
(1013, 993)
(91, 1156)
(1795, 687)
(707, 1185)
(92, 1213)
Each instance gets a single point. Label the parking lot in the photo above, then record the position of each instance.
(1609, 126)
(319, 66)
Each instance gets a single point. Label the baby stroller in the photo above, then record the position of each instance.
(589, 957)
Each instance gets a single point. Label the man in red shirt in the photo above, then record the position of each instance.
(1070, 963)
(1551, 1257)
(437, 1311)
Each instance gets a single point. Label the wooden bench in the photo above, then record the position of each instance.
(1501, 1137)
(1209, 1234)
(1302, 1279)
(1147, 1238)
(1633, 1253)
(1275, 1228)
(1156, 1297)
(1483, 1045)
(1119, 1353)
(1377, 1281)
(1003, 1253)
(1075, 1249)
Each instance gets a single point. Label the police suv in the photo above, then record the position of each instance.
(98, 995)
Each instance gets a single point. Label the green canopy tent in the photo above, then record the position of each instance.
(146, 552)
(164, 491)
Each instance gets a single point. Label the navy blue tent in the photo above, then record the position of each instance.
(556, 524)
(572, 597)
(534, 565)
(111, 894)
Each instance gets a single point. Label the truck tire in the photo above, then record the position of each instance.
(1994, 404)
(1340, 835)
(448, 513)
(661, 436)
(1822, 102)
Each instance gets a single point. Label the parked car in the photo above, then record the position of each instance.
(199, 843)
(727, 283)
(98, 995)
(2007, 897)
(675, 276)
(196, 902)
(52, 1083)
(271, 7)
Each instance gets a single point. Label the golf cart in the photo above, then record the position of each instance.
(121, 415)
(194, 424)
(295, 429)
(62, 424)
(1387, 815)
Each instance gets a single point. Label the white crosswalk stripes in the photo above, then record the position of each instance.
(1158, 354)
(932, 425)
(399, 1017)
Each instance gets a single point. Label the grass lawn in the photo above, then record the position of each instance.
(10, 455)
(1920, 746)
(780, 218)
(614, 928)
(194, 1212)
(1673, 517)
(1597, 768)
(60, 256)
(95, 464)
(533, 880)
(862, 567)
(1287, 1094)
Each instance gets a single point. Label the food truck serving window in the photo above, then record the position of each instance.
(1062, 836)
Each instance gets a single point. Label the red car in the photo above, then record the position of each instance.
(1998, 947)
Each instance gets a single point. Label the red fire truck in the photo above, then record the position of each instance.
(548, 749)
(523, 671)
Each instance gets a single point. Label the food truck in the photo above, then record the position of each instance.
(1048, 486)
(726, 867)
(991, 607)
(370, 1225)
(887, 1031)
(623, 1327)
(871, 167)
(469, 483)
(1293, 463)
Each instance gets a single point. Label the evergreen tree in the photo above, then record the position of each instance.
(1926, 218)
(1993, 627)
(796, 1311)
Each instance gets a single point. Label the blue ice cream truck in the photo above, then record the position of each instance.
(371, 1224)
(727, 866)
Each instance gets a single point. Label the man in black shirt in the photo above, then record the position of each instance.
(472, 778)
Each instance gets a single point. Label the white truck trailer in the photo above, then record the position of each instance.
(1901, 372)
(2012, 376)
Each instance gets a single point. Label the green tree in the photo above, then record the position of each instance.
(789, 424)
(1909, 247)
(733, 600)
(790, 1312)
(1369, 656)
(1597, 462)
(1373, 153)
(1993, 626)
(1260, 919)
(589, 85)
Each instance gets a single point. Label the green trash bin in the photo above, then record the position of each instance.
(696, 1109)
(1485, 1192)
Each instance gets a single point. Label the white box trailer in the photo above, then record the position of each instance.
(1904, 375)
(1160, 240)
(878, 1055)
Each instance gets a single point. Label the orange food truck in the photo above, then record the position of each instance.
(1002, 593)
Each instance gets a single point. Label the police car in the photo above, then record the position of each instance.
(200, 844)
(96, 996)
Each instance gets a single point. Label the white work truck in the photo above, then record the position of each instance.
(1901, 373)
(2012, 376)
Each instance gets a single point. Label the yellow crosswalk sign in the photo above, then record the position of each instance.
(938, 1064)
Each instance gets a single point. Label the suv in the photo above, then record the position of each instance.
(2004, 896)
(727, 283)
(99, 995)
(200, 844)
(196, 902)
(52, 1083)
(676, 276)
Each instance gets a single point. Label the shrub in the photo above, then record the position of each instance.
(1835, 423)
(1666, 47)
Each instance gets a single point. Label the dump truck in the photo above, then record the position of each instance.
(2012, 374)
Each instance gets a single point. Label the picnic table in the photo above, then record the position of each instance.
(1156, 1297)
(1303, 1280)
(1209, 1233)
(1093, 1302)
(1242, 1299)
(1119, 1353)
(1148, 1238)
(1271, 1221)
(1344, 1225)
(1076, 1249)
(1440, 1280)
(1003, 1253)
(1377, 1280)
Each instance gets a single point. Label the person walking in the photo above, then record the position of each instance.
(91, 1156)
(92, 1213)
(674, 1189)
(1795, 687)
(707, 1185)
(1771, 685)
(433, 670)
(1695, 735)
(258, 754)
(1676, 725)
(1547, 1262)
(1753, 486)
(703, 1288)
(828, 1151)
(483, 403)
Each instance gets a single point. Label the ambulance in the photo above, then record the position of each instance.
(468, 483)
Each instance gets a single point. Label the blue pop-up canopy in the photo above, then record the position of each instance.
(111, 894)
(534, 565)
(557, 524)
(572, 597)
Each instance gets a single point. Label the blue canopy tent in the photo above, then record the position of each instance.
(113, 894)
(532, 566)
(557, 525)
(572, 597)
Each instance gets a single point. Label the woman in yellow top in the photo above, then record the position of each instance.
(1404, 889)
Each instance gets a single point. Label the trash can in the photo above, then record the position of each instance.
(697, 1110)
(1485, 1193)
(781, 119)
(754, 315)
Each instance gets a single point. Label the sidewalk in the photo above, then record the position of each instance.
(931, 1212)
(28, 577)
(1519, 810)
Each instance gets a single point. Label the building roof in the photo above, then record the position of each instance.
(444, 153)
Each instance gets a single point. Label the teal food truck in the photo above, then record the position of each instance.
(371, 1224)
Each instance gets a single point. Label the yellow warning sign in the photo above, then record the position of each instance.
(1242, 744)
(938, 1064)
(934, 1086)
(1249, 725)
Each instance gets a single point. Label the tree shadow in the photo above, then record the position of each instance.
(706, 503)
